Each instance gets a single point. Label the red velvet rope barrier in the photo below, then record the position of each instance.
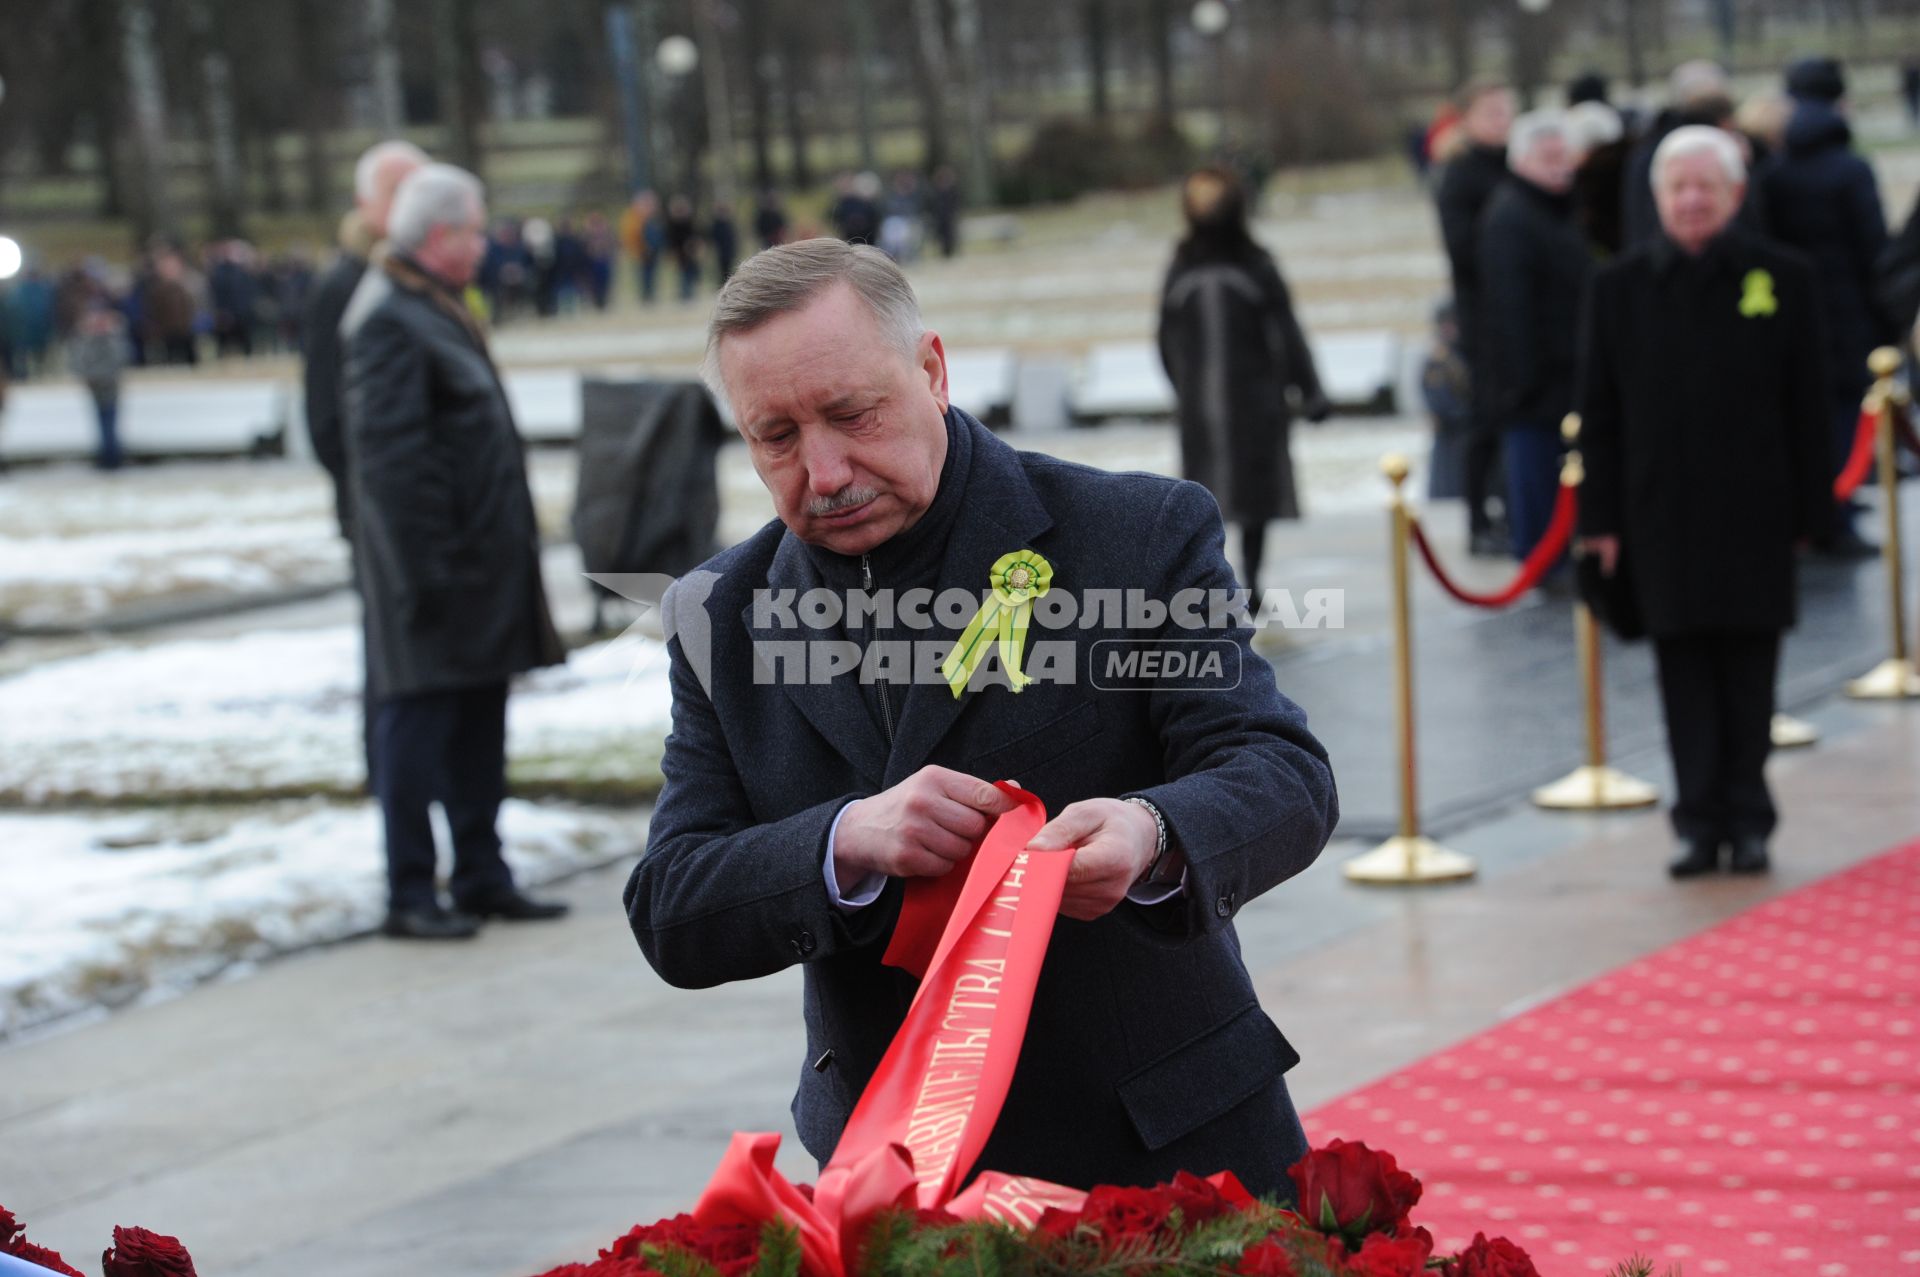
(1544, 556)
(1860, 460)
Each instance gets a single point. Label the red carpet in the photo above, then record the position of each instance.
(1744, 1102)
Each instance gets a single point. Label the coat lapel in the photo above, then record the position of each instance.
(835, 708)
(999, 511)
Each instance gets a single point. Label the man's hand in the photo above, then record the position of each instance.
(921, 828)
(1116, 841)
(1606, 549)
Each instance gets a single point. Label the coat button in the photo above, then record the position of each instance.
(1224, 905)
(825, 1061)
(803, 943)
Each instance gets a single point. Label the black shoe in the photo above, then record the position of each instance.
(515, 907)
(1702, 856)
(1750, 856)
(430, 922)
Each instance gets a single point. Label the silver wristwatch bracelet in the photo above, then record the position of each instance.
(1160, 845)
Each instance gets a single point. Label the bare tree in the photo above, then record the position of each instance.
(154, 212)
(1095, 15)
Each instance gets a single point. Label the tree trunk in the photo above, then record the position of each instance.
(262, 144)
(759, 91)
(315, 101)
(1160, 42)
(226, 197)
(973, 86)
(1458, 18)
(1636, 46)
(1095, 15)
(153, 211)
(930, 71)
(860, 18)
(793, 66)
(713, 78)
(388, 103)
(456, 67)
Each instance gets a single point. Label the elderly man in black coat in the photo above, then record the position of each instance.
(797, 806)
(449, 553)
(1705, 444)
(1466, 186)
(1534, 264)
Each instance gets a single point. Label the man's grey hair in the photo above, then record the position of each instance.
(1697, 82)
(788, 277)
(1534, 128)
(434, 195)
(1693, 139)
(370, 171)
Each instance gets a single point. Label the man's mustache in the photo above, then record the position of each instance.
(845, 499)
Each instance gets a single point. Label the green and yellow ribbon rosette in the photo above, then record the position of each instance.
(1017, 579)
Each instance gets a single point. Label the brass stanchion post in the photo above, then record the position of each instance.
(1592, 786)
(1406, 857)
(1895, 678)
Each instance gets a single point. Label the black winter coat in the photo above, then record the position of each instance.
(1534, 264)
(320, 342)
(1147, 1051)
(1705, 429)
(1466, 185)
(1234, 350)
(444, 528)
(1822, 199)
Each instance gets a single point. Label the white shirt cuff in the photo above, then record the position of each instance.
(1154, 893)
(866, 891)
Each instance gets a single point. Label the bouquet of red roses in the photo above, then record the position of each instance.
(1353, 1219)
(135, 1252)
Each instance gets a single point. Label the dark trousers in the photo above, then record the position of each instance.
(1717, 690)
(1482, 476)
(106, 410)
(449, 748)
(1533, 485)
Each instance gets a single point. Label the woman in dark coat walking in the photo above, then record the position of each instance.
(1235, 354)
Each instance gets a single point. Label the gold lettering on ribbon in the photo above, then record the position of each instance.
(951, 1084)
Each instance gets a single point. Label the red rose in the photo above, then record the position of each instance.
(139, 1253)
(1198, 1201)
(1351, 1190)
(1383, 1256)
(604, 1268)
(1496, 1258)
(731, 1248)
(8, 1227)
(1118, 1214)
(21, 1248)
(1268, 1259)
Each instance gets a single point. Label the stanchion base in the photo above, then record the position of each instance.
(1410, 860)
(1890, 680)
(1793, 733)
(1595, 789)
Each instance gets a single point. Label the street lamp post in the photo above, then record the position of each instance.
(1211, 18)
(676, 57)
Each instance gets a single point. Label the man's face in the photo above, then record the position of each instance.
(1489, 119)
(454, 249)
(1548, 164)
(1696, 198)
(847, 433)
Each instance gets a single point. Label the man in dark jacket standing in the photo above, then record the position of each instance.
(796, 809)
(1534, 264)
(449, 556)
(378, 173)
(1822, 199)
(1706, 462)
(1466, 186)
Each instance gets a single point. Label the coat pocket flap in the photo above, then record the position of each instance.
(1206, 1077)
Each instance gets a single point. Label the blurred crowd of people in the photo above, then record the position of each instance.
(170, 305)
(1530, 205)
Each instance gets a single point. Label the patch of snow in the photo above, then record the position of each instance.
(105, 909)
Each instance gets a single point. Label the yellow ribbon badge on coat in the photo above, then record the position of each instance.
(1756, 297)
(1017, 580)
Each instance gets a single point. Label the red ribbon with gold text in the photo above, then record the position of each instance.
(977, 940)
